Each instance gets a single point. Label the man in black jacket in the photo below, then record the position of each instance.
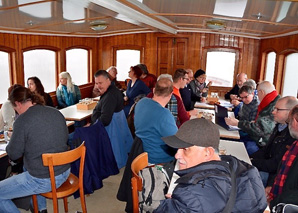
(234, 92)
(206, 183)
(285, 189)
(267, 159)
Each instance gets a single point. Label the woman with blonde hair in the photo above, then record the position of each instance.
(67, 92)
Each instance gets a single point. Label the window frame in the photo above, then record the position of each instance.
(11, 64)
(58, 69)
(89, 61)
(222, 49)
(127, 47)
(281, 72)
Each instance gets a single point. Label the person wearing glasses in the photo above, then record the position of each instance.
(260, 129)
(179, 81)
(199, 88)
(267, 158)
(284, 188)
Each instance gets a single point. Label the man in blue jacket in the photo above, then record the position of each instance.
(205, 183)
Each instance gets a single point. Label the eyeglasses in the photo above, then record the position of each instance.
(245, 96)
(279, 109)
(186, 79)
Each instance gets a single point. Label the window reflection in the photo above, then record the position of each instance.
(42, 64)
(77, 65)
(73, 11)
(220, 68)
(4, 76)
(41, 10)
(290, 86)
(124, 60)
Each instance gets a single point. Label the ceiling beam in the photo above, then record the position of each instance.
(133, 14)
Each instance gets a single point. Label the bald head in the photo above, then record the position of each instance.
(163, 87)
(241, 78)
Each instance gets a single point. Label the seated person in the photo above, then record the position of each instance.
(267, 158)
(179, 81)
(198, 86)
(35, 85)
(284, 189)
(233, 93)
(153, 121)
(185, 92)
(205, 177)
(67, 93)
(7, 112)
(238, 102)
(109, 110)
(261, 128)
(135, 87)
(37, 130)
(248, 110)
(111, 100)
(148, 78)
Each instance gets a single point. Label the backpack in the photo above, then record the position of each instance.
(155, 185)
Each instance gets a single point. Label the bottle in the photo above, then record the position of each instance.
(5, 128)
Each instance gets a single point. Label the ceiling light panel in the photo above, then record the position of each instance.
(233, 8)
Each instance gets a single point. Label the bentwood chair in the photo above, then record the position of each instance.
(139, 163)
(71, 185)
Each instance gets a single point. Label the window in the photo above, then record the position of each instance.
(41, 10)
(77, 65)
(4, 76)
(290, 86)
(220, 68)
(124, 60)
(42, 64)
(270, 66)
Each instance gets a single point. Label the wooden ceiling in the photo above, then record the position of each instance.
(255, 18)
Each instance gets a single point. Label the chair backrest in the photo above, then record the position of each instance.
(57, 159)
(139, 163)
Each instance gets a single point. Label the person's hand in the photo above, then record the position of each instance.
(235, 102)
(204, 90)
(231, 121)
(203, 99)
(193, 112)
(88, 124)
(267, 192)
(169, 196)
(125, 98)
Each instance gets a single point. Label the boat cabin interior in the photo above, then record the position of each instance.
(83, 36)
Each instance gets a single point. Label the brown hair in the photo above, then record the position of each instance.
(13, 87)
(23, 94)
(137, 71)
(179, 73)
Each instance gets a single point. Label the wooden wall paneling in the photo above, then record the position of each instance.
(279, 45)
(165, 54)
(151, 53)
(180, 53)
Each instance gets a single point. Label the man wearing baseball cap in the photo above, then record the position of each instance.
(209, 182)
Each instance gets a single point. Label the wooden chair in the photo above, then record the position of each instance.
(71, 185)
(139, 163)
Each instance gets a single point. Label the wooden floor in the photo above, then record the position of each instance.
(101, 201)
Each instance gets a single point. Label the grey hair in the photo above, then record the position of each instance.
(168, 76)
(251, 83)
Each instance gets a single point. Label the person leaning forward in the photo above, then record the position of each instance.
(205, 177)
